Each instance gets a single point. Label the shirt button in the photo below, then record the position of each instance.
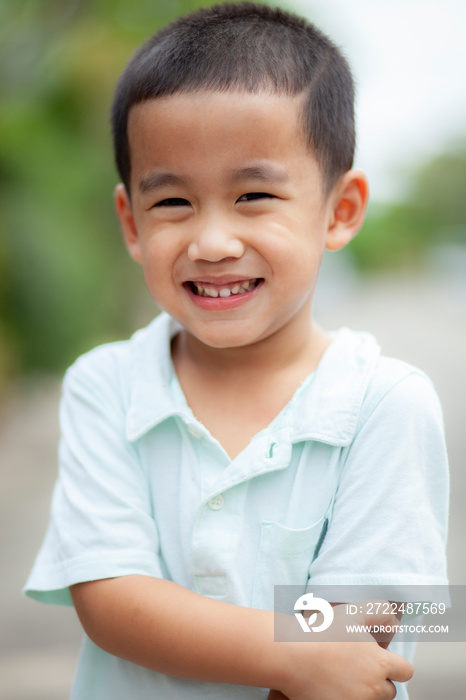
(216, 502)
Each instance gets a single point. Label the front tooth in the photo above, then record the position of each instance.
(211, 292)
(225, 292)
(235, 289)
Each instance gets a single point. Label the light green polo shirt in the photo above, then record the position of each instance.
(347, 485)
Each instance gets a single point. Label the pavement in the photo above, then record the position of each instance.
(420, 319)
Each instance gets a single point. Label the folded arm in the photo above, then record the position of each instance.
(167, 628)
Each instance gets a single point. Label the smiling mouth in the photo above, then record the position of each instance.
(207, 289)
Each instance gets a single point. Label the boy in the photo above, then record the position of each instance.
(233, 444)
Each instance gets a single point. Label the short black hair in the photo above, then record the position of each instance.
(246, 47)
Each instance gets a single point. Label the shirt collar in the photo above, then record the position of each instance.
(327, 411)
(150, 369)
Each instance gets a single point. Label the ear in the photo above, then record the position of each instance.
(127, 223)
(349, 201)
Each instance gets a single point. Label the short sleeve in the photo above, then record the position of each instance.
(390, 514)
(101, 524)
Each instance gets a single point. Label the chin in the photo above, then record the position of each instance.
(226, 338)
(223, 343)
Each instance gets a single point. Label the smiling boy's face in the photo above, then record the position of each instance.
(227, 213)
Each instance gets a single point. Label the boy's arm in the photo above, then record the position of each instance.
(164, 627)
(380, 620)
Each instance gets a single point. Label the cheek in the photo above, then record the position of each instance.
(156, 270)
(159, 253)
(297, 252)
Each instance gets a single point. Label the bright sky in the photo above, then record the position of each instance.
(409, 60)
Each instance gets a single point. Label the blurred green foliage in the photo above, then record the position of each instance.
(66, 283)
(432, 213)
(65, 280)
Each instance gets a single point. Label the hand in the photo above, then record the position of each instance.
(354, 670)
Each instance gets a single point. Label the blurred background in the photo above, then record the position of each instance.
(66, 283)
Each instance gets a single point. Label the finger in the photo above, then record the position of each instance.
(380, 612)
(381, 618)
(391, 690)
(399, 669)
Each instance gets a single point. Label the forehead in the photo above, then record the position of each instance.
(263, 107)
(219, 128)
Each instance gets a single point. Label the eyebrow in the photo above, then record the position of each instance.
(265, 173)
(159, 179)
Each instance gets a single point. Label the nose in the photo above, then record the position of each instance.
(215, 240)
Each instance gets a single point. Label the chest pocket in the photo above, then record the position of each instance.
(285, 556)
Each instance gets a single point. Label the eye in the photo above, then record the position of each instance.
(173, 202)
(251, 196)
